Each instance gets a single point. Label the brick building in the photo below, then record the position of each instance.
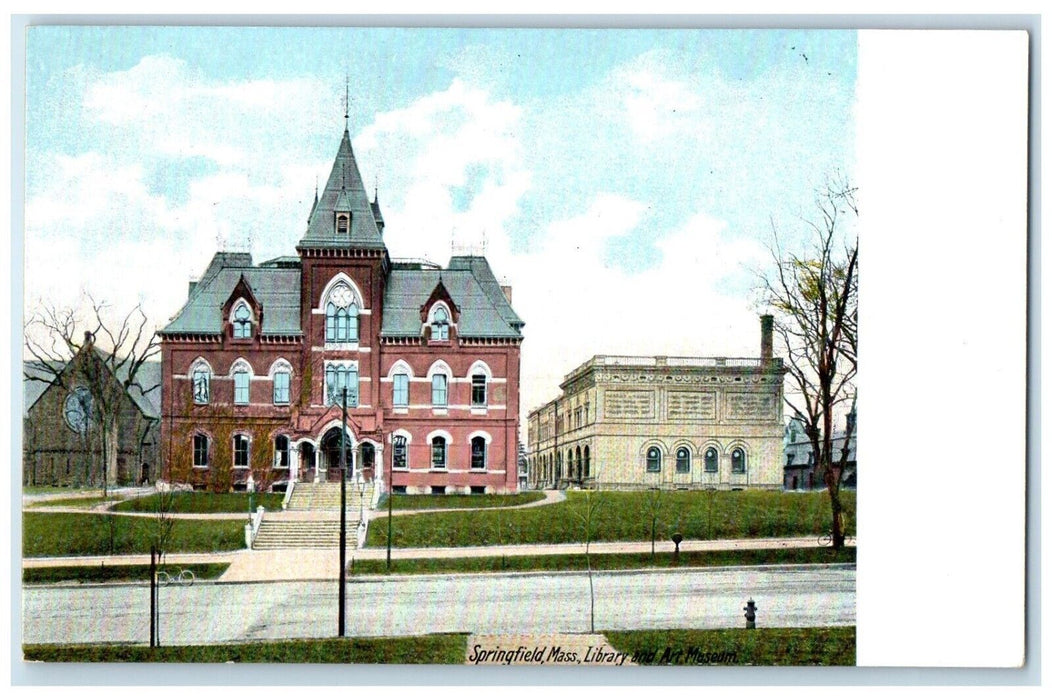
(256, 362)
(668, 422)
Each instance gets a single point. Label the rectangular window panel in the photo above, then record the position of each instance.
(241, 388)
(399, 453)
(478, 453)
(200, 384)
(478, 390)
(439, 396)
(281, 387)
(438, 454)
(200, 451)
(401, 390)
(240, 451)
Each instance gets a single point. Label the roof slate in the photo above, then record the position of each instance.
(484, 311)
(344, 191)
(277, 290)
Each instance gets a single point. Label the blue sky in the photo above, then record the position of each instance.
(624, 181)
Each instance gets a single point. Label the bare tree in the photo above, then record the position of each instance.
(590, 504)
(68, 358)
(652, 506)
(814, 297)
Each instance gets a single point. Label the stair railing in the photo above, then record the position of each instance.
(252, 527)
(288, 495)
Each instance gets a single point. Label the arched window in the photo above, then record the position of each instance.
(281, 451)
(343, 222)
(368, 455)
(341, 315)
(711, 460)
(202, 384)
(577, 459)
(478, 390)
(653, 460)
(401, 389)
(281, 386)
(241, 387)
(683, 460)
(242, 321)
(439, 390)
(440, 324)
(738, 461)
(200, 450)
(438, 452)
(398, 454)
(587, 463)
(478, 452)
(240, 451)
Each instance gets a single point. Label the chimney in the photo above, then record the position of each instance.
(89, 337)
(766, 337)
(506, 288)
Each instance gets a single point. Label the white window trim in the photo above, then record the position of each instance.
(280, 365)
(233, 450)
(399, 367)
(234, 307)
(481, 434)
(239, 364)
(325, 382)
(479, 367)
(339, 277)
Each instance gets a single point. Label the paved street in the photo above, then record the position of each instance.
(787, 596)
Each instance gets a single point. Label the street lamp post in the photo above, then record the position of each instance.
(343, 516)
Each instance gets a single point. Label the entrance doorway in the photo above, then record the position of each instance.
(329, 470)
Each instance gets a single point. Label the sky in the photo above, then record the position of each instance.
(624, 182)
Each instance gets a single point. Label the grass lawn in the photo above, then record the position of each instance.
(204, 502)
(71, 534)
(44, 490)
(107, 574)
(806, 646)
(605, 562)
(72, 502)
(623, 516)
(430, 649)
(420, 502)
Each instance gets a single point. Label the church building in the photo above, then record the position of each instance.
(258, 363)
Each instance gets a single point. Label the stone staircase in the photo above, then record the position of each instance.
(326, 496)
(312, 518)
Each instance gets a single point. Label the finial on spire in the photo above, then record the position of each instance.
(346, 101)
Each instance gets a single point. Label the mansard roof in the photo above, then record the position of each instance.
(277, 289)
(344, 192)
(469, 281)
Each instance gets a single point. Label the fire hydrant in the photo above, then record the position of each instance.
(750, 615)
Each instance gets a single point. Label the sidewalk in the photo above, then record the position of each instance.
(320, 564)
(247, 565)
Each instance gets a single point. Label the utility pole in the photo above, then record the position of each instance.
(343, 517)
(390, 501)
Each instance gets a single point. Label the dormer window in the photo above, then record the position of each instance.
(242, 321)
(343, 223)
(440, 325)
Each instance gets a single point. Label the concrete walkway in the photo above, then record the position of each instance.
(249, 565)
(550, 497)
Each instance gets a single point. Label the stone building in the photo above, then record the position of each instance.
(257, 362)
(670, 422)
(62, 441)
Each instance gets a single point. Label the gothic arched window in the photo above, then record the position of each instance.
(242, 321)
(341, 316)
